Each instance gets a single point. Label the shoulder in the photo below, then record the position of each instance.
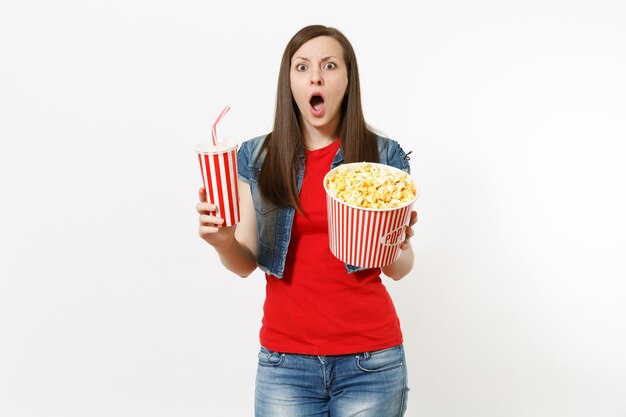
(248, 161)
(391, 153)
(252, 147)
(250, 150)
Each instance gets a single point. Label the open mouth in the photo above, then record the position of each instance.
(317, 102)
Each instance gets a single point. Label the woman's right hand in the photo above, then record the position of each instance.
(208, 230)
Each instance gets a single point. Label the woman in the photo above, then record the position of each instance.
(331, 343)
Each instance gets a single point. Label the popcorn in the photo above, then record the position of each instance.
(371, 186)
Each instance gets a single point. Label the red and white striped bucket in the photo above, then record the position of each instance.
(366, 237)
(218, 165)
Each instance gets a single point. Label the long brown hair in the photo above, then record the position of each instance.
(284, 145)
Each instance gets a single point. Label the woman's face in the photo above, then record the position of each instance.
(319, 78)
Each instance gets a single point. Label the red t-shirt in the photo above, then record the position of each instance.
(318, 308)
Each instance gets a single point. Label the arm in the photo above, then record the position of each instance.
(396, 157)
(403, 265)
(235, 245)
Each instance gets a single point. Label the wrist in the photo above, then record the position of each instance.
(226, 243)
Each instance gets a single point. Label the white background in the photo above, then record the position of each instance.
(110, 304)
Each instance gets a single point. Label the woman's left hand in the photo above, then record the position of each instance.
(409, 231)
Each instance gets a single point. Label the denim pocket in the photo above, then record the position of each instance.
(269, 358)
(261, 205)
(381, 360)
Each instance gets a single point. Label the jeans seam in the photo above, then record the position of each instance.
(389, 368)
(269, 364)
(367, 355)
(404, 391)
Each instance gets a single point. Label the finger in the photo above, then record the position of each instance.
(207, 230)
(202, 195)
(205, 208)
(206, 219)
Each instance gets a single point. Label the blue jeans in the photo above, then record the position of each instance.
(370, 384)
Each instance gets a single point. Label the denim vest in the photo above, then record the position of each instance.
(274, 222)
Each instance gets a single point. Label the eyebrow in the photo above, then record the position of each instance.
(307, 59)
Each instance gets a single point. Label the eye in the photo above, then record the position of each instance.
(330, 65)
(300, 67)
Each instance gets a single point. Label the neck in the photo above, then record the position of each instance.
(313, 144)
(317, 138)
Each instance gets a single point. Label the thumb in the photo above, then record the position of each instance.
(202, 195)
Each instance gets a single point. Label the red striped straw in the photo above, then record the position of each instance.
(214, 127)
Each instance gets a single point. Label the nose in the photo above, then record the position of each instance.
(316, 78)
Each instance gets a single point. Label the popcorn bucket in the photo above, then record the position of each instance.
(366, 237)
